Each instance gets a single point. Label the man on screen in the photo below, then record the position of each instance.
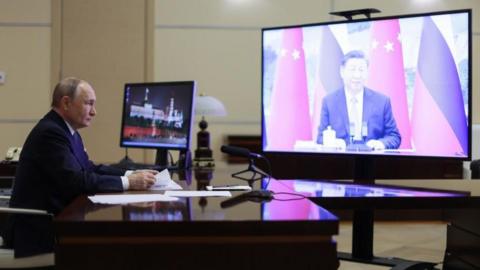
(356, 113)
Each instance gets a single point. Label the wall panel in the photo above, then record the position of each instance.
(25, 11)
(225, 64)
(25, 54)
(476, 78)
(25, 34)
(104, 43)
(235, 13)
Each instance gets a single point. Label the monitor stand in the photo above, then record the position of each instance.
(362, 227)
(161, 159)
(184, 159)
(125, 162)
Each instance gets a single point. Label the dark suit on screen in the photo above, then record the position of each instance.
(377, 113)
(52, 171)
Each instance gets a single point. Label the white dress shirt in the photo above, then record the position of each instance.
(355, 112)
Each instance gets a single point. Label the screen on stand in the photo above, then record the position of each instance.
(392, 86)
(158, 115)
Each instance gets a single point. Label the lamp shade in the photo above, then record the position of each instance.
(207, 105)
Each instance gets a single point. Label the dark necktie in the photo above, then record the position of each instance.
(80, 150)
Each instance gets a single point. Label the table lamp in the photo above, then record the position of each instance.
(206, 106)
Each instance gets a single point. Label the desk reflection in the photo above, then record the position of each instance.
(203, 176)
(158, 211)
(317, 188)
(288, 205)
(188, 233)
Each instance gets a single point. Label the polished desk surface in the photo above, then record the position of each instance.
(388, 194)
(87, 227)
(287, 233)
(364, 199)
(284, 207)
(329, 194)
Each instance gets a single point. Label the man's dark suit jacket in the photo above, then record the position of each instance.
(51, 172)
(377, 112)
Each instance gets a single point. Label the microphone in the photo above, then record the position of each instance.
(234, 201)
(239, 151)
(252, 196)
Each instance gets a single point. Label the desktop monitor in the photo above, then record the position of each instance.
(158, 115)
(409, 77)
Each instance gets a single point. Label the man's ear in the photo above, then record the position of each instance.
(65, 103)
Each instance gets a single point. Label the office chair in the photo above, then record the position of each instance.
(37, 262)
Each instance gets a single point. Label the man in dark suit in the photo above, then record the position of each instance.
(54, 169)
(357, 113)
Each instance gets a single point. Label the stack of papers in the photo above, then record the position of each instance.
(164, 182)
(130, 198)
(197, 193)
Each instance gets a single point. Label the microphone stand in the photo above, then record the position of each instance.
(254, 170)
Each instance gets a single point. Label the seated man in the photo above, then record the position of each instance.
(357, 113)
(54, 169)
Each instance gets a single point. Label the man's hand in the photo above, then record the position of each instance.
(376, 144)
(146, 170)
(141, 179)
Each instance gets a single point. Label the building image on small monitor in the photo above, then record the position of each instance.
(157, 115)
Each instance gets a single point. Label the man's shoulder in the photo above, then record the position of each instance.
(335, 94)
(375, 95)
(47, 125)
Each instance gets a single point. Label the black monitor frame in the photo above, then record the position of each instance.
(362, 159)
(162, 150)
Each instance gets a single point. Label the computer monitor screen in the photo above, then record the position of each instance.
(157, 115)
(391, 86)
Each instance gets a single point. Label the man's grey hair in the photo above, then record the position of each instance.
(66, 87)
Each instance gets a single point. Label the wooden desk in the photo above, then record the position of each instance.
(196, 233)
(460, 199)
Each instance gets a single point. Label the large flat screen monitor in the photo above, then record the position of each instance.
(390, 86)
(158, 115)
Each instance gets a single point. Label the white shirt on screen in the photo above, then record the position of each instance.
(355, 111)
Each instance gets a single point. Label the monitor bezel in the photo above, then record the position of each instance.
(360, 154)
(191, 114)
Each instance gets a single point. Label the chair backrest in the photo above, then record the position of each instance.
(42, 261)
(37, 262)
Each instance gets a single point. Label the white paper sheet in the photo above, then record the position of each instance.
(197, 193)
(130, 198)
(164, 182)
(170, 186)
(162, 177)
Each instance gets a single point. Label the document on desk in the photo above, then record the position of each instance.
(130, 198)
(163, 181)
(197, 193)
